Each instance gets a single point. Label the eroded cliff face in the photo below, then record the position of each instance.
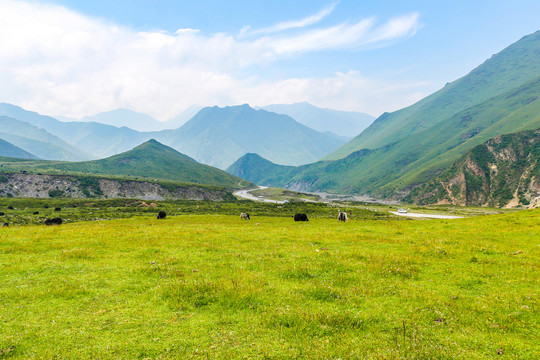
(504, 172)
(47, 186)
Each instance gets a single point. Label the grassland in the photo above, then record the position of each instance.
(213, 286)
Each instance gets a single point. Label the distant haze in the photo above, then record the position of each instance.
(344, 123)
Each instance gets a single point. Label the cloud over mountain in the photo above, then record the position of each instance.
(61, 62)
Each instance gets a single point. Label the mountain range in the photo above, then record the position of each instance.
(219, 136)
(38, 141)
(148, 161)
(9, 150)
(408, 147)
(214, 136)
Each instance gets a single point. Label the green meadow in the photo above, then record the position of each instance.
(213, 286)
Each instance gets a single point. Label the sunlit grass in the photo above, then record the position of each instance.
(217, 287)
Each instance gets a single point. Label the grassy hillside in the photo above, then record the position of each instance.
(216, 287)
(392, 169)
(260, 170)
(503, 171)
(38, 141)
(513, 66)
(219, 136)
(9, 150)
(150, 160)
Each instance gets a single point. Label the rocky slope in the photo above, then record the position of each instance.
(504, 171)
(46, 186)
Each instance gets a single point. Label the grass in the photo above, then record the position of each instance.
(21, 211)
(216, 287)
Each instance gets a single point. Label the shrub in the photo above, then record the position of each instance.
(56, 193)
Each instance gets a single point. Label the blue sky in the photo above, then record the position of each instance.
(76, 58)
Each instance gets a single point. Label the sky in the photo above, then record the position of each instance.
(77, 58)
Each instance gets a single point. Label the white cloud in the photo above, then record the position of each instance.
(344, 91)
(56, 61)
(294, 24)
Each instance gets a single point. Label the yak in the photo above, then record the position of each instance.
(245, 216)
(53, 221)
(161, 215)
(342, 216)
(300, 217)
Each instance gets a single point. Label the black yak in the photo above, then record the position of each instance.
(161, 215)
(53, 221)
(300, 217)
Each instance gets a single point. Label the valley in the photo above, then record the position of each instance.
(269, 180)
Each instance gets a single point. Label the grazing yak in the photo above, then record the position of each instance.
(244, 216)
(53, 221)
(57, 209)
(300, 217)
(342, 216)
(161, 215)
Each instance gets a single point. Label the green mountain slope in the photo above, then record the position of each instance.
(391, 170)
(513, 66)
(9, 150)
(504, 171)
(150, 160)
(38, 141)
(342, 123)
(219, 136)
(260, 171)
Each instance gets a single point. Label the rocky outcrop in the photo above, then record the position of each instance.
(49, 186)
(504, 172)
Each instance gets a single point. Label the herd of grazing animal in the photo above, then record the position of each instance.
(342, 217)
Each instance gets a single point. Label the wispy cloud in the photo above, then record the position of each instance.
(396, 28)
(295, 24)
(56, 61)
(347, 35)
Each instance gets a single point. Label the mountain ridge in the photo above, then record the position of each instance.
(496, 75)
(338, 122)
(7, 149)
(150, 160)
(219, 136)
(504, 171)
